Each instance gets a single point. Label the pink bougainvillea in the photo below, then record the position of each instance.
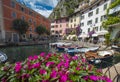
(52, 68)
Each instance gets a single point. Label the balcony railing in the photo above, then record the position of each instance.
(115, 9)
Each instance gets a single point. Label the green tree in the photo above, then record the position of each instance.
(41, 29)
(21, 26)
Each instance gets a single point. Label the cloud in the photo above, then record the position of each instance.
(44, 7)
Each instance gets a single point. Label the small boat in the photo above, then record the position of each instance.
(99, 56)
(3, 57)
(81, 50)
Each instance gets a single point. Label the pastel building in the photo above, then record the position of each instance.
(58, 27)
(10, 10)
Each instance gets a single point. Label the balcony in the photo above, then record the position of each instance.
(113, 10)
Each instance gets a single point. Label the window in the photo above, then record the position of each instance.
(34, 23)
(96, 20)
(88, 29)
(71, 20)
(60, 25)
(13, 15)
(82, 24)
(30, 12)
(30, 20)
(90, 14)
(82, 17)
(22, 17)
(56, 26)
(66, 25)
(96, 28)
(97, 10)
(52, 31)
(104, 17)
(13, 4)
(74, 20)
(30, 29)
(105, 7)
(71, 26)
(52, 26)
(101, 28)
(89, 22)
(60, 31)
(74, 25)
(30, 35)
(22, 9)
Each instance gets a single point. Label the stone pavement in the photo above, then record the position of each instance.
(113, 72)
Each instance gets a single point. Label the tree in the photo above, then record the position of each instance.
(21, 26)
(41, 29)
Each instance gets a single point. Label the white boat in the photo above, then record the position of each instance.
(99, 56)
(3, 57)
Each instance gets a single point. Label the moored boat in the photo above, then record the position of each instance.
(3, 57)
(99, 56)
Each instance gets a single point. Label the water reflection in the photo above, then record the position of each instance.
(22, 52)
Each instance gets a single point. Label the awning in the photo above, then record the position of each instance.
(83, 36)
(103, 32)
(95, 35)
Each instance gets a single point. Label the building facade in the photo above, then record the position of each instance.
(93, 16)
(59, 26)
(10, 10)
(74, 20)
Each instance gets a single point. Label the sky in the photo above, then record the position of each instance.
(44, 7)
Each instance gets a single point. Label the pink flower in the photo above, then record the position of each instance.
(3, 80)
(93, 77)
(106, 79)
(59, 65)
(45, 81)
(42, 54)
(18, 67)
(49, 63)
(83, 60)
(42, 71)
(53, 74)
(77, 68)
(30, 58)
(36, 65)
(85, 77)
(35, 57)
(25, 76)
(64, 78)
(66, 64)
(75, 57)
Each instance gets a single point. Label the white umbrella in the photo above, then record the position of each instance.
(95, 35)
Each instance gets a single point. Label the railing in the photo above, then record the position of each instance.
(109, 69)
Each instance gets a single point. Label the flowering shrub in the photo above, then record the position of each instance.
(51, 68)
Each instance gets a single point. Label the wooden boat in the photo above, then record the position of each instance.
(3, 57)
(99, 56)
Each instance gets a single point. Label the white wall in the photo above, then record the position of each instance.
(93, 17)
